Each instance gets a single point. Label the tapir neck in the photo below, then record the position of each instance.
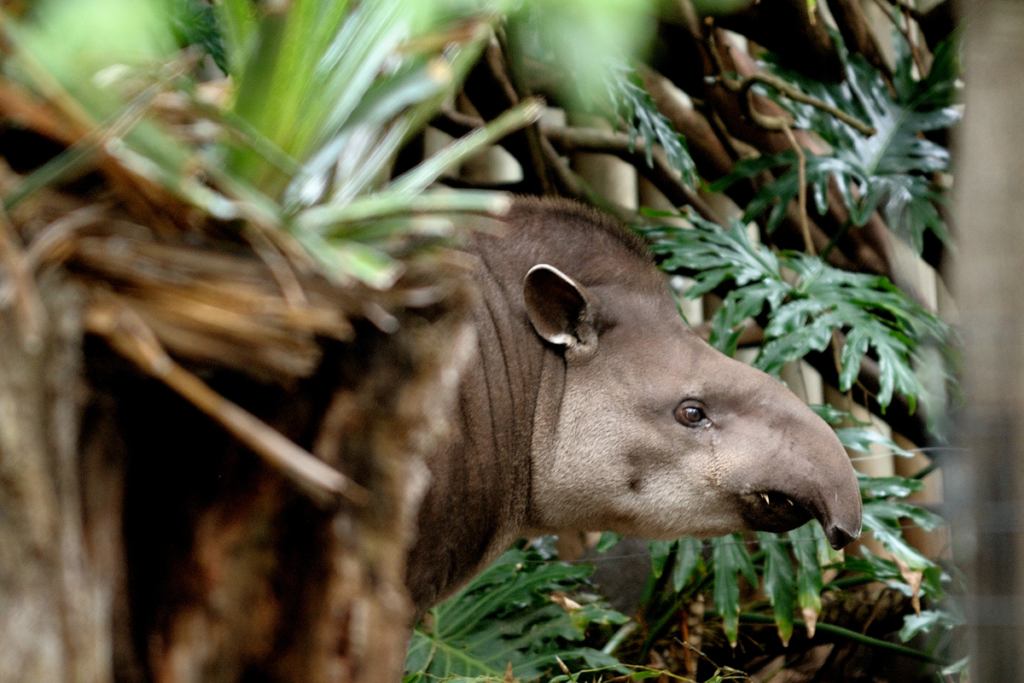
(485, 469)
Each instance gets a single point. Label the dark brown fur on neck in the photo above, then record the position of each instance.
(484, 471)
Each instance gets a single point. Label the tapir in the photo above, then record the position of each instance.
(590, 405)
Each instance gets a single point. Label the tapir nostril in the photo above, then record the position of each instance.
(840, 537)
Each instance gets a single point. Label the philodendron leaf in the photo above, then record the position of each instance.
(930, 621)
(778, 582)
(834, 416)
(712, 255)
(808, 575)
(883, 519)
(802, 317)
(506, 615)
(660, 552)
(607, 541)
(731, 559)
(688, 556)
(892, 170)
(633, 106)
(885, 487)
(860, 439)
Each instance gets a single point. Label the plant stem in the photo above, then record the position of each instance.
(852, 635)
(925, 471)
(801, 160)
(616, 640)
(838, 236)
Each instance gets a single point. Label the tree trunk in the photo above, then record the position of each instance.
(141, 541)
(57, 573)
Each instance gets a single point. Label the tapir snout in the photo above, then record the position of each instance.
(803, 469)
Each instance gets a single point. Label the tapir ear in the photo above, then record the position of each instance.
(561, 309)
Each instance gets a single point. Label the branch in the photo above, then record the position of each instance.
(513, 71)
(792, 93)
(21, 287)
(455, 123)
(711, 156)
(568, 182)
(572, 185)
(714, 161)
(52, 243)
(865, 258)
(491, 91)
(854, 27)
(743, 87)
(801, 162)
(662, 175)
(905, 30)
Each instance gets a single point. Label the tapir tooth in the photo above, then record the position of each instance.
(766, 499)
(789, 501)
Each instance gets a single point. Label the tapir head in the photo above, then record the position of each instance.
(657, 434)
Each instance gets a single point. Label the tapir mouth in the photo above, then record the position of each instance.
(777, 512)
(774, 511)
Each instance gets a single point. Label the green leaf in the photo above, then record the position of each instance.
(504, 615)
(239, 20)
(891, 169)
(428, 171)
(938, 89)
(808, 575)
(887, 572)
(688, 556)
(607, 541)
(834, 416)
(959, 667)
(874, 314)
(885, 487)
(779, 582)
(712, 255)
(926, 622)
(341, 258)
(741, 304)
(660, 552)
(379, 205)
(330, 85)
(882, 518)
(195, 23)
(731, 559)
(861, 439)
(632, 104)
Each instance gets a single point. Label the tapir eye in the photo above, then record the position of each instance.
(690, 414)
